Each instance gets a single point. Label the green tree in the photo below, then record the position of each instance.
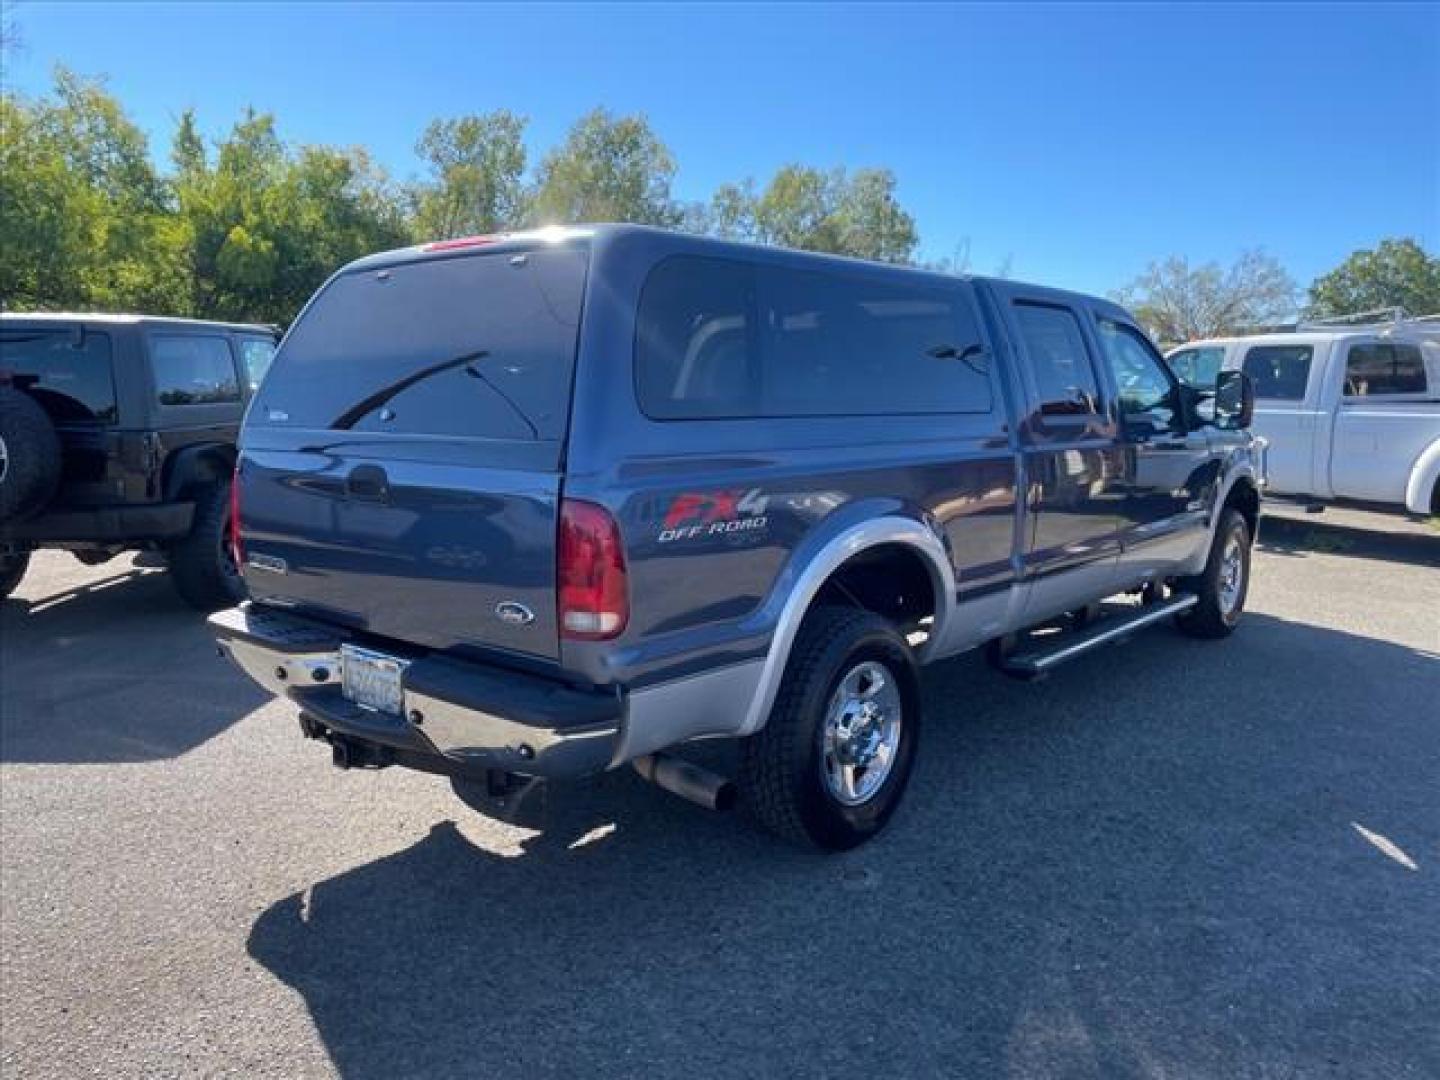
(608, 169)
(187, 152)
(814, 210)
(1178, 302)
(1397, 273)
(84, 218)
(264, 226)
(476, 184)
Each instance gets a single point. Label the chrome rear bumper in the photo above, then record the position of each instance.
(457, 717)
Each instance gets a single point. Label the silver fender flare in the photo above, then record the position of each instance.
(839, 549)
(1422, 479)
(1234, 476)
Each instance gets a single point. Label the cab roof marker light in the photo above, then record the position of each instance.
(460, 242)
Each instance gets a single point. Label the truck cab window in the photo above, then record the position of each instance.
(1146, 393)
(1280, 372)
(1372, 370)
(1198, 367)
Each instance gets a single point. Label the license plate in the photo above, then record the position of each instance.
(372, 680)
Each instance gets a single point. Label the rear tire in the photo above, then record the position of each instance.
(201, 566)
(830, 766)
(29, 456)
(1224, 583)
(12, 569)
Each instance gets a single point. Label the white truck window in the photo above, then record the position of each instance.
(1376, 369)
(1280, 372)
(1198, 367)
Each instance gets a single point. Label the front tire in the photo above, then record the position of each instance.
(830, 766)
(201, 565)
(1224, 583)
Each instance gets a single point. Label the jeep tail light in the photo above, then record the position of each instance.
(237, 550)
(593, 591)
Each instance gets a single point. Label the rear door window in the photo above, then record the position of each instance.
(717, 338)
(1373, 370)
(478, 346)
(1280, 372)
(1059, 361)
(67, 372)
(193, 370)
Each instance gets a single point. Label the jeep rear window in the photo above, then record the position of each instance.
(718, 338)
(479, 346)
(68, 373)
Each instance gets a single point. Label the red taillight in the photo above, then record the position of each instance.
(237, 551)
(593, 594)
(459, 242)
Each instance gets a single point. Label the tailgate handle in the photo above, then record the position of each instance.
(368, 482)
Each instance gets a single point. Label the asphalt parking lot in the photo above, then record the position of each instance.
(1173, 859)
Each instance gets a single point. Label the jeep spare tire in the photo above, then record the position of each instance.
(29, 456)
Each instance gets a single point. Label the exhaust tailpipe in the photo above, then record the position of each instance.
(688, 780)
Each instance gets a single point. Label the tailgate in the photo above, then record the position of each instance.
(436, 553)
(400, 466)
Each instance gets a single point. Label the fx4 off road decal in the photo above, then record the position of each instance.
(696, 514)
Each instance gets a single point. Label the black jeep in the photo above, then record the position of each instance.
(117, 432)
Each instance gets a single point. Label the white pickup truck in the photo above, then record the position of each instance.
(1351, 410)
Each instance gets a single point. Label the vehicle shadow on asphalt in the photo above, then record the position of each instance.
(81, 670)
(1294, 536)
(1152, 863)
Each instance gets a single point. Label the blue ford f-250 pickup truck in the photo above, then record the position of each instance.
(543, 504)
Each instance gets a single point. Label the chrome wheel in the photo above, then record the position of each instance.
(1232, 575)
(861, 737)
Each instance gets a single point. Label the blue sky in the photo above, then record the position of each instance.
(1077, 141)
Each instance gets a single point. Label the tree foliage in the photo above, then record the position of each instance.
(477, 176)
(815, 210)
(608, 169)
(83, 214)
(1180, 302)
(265, 225)
(1397, 273)
(248, 232)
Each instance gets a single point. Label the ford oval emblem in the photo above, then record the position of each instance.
(516, 614)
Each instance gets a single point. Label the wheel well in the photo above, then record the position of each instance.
(1245, 498)
(892, 580)
(195, 466)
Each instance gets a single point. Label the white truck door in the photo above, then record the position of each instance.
(1287, 378)
(1382, 422)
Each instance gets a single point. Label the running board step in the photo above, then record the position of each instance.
(1036, 662)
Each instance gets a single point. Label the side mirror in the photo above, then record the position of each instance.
(1234, 400)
